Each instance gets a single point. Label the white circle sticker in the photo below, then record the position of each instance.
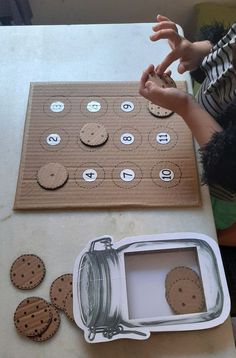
(127, 138)
(53, 139)
(90, 175)
(94, 106)
(127, 175)
(163, 138)
(166, 175)
(127, 106)
(57, 107)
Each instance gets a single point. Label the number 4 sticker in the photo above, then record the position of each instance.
(90, 175)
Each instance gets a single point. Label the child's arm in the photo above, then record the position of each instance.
(189, 53)
(200, 122)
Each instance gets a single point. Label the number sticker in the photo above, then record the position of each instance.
(90, 175)
(57, 107)
(94, 106)
(53, 139)
(163, 138)
(127, 138)
(127, 106)
(166, 175)
(127, 175)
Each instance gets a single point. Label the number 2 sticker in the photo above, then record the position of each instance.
(53, 139)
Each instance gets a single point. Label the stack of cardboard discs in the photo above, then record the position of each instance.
(34, 317)
(184, 291)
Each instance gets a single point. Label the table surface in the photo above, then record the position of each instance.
(116, 52)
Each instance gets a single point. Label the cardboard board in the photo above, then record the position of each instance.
(146, 161)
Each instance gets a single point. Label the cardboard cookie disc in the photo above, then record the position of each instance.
(32, 316)
(158, 111)
(60, 287)
(51, 329)
(93, 134)
(185, 296)
(27, 272)
(164, 81)
(52, 176)
(180, 273)
(68, 306)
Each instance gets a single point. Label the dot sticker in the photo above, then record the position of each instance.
(53, 139)
(93, 106)
(127, 106)
(163, 138)
(127, 175)
(57, 107)
(127, 138)
(90, 175)
(166, 175)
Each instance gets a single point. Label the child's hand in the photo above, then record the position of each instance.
(190, 54)
(169, 97)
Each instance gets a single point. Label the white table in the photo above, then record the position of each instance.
(81, 53)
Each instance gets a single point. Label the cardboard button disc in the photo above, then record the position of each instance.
(93, 134)
(52, 176)
(181, 272)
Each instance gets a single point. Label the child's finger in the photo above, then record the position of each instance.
(168, 34)
(170, 58)
(164, 25)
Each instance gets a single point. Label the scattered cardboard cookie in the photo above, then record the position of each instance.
(93, 134)
(51, 329)
(59, 289)
(52, 176)
(27, 272)
(181, 272)
(185, 296)
(32, 316)
(68, 306)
